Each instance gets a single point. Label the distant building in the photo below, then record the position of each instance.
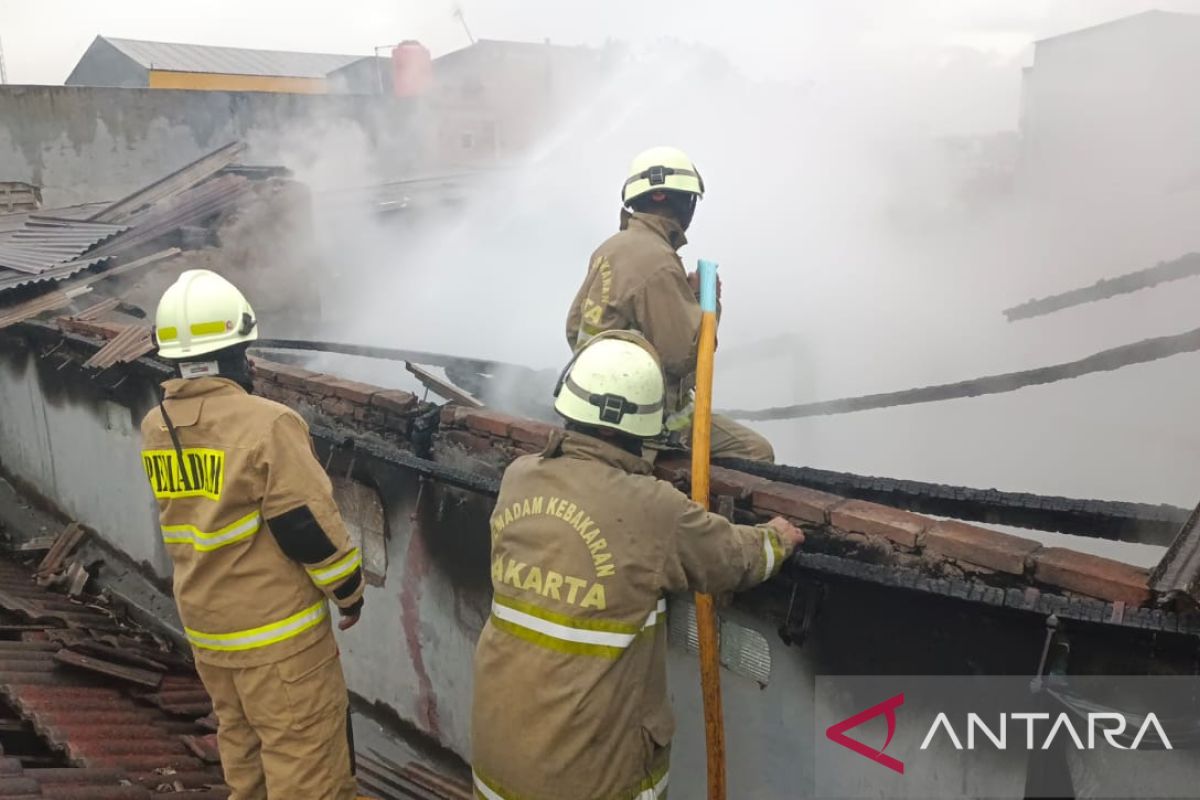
(1114, 108)
(495, 99)
(365, 75)
(160, 65)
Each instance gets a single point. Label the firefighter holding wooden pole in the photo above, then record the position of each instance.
(571, 699)
(636, 281)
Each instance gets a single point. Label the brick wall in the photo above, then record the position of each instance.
(388, 413)
(835, 525)
(840, 526)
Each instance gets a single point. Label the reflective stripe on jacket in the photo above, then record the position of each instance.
(636, 281)
(246, 461)
(585, 545)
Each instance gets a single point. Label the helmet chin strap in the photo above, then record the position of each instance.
(183, 473)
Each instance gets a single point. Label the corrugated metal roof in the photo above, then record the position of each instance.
(46, 242)
(13, 220)
(229, 60)
(128, 345)
(11, 279)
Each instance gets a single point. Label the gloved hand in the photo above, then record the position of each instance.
(790, 536)
(350, 615)
(693, 279)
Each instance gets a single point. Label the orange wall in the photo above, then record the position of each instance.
(216, 82)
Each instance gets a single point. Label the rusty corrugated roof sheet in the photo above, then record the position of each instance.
(11, 315)
(128, 345)
(185, 177)
(114, 736)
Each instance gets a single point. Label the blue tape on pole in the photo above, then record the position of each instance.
(708, 285)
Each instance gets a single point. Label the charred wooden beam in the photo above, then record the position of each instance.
(1177, 576)
(1104, 361)
(1184, 267)
(1130, 522)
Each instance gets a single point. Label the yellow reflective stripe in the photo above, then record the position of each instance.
(577, 637)
(168, 334)
(604, 625)
(203, 541)
(777, 549)
(337, 570)
(768, 553)
(586, 332)
(681, 419)
(261, 636)
(488, 790)
(206, 328)
(653, 787)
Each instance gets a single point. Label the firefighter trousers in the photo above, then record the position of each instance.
(734, 440)
(730, 439)
(282, 726)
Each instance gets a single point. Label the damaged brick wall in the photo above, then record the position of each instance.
(388, 413)
(862, 530)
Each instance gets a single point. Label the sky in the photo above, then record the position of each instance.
(967, 43)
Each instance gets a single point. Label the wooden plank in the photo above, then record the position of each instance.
(442, 388)
(37, 543)
(143, 677)
(63, 546)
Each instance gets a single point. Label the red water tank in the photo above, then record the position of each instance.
(412, 69)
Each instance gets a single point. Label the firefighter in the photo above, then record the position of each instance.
(570, 672)
(636, 281)
(259, 549)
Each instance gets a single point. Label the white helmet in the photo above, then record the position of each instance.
(201, 313)
(614, 381)
(662, 168)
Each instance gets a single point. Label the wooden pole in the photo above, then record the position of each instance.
(706, 614)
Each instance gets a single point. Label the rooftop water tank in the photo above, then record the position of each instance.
(412, 69)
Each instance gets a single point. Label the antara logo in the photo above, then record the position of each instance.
(1110, 725)
(837, 732)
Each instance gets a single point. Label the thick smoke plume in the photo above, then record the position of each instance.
(874, 206)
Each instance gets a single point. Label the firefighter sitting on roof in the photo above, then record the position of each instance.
(637, 282)
(570, 672)
(259, 549)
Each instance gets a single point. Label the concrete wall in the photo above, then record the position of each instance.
(80, 448)
(84, 144)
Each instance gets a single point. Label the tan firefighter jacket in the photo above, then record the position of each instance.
(571, 695)
(636, 281)
(250, 524)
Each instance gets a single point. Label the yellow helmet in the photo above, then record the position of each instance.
(201, 313)
(614, 381)
(662, 168)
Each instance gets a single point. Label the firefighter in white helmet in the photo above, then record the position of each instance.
(636, 281)
(259, 549)
(571, 697)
